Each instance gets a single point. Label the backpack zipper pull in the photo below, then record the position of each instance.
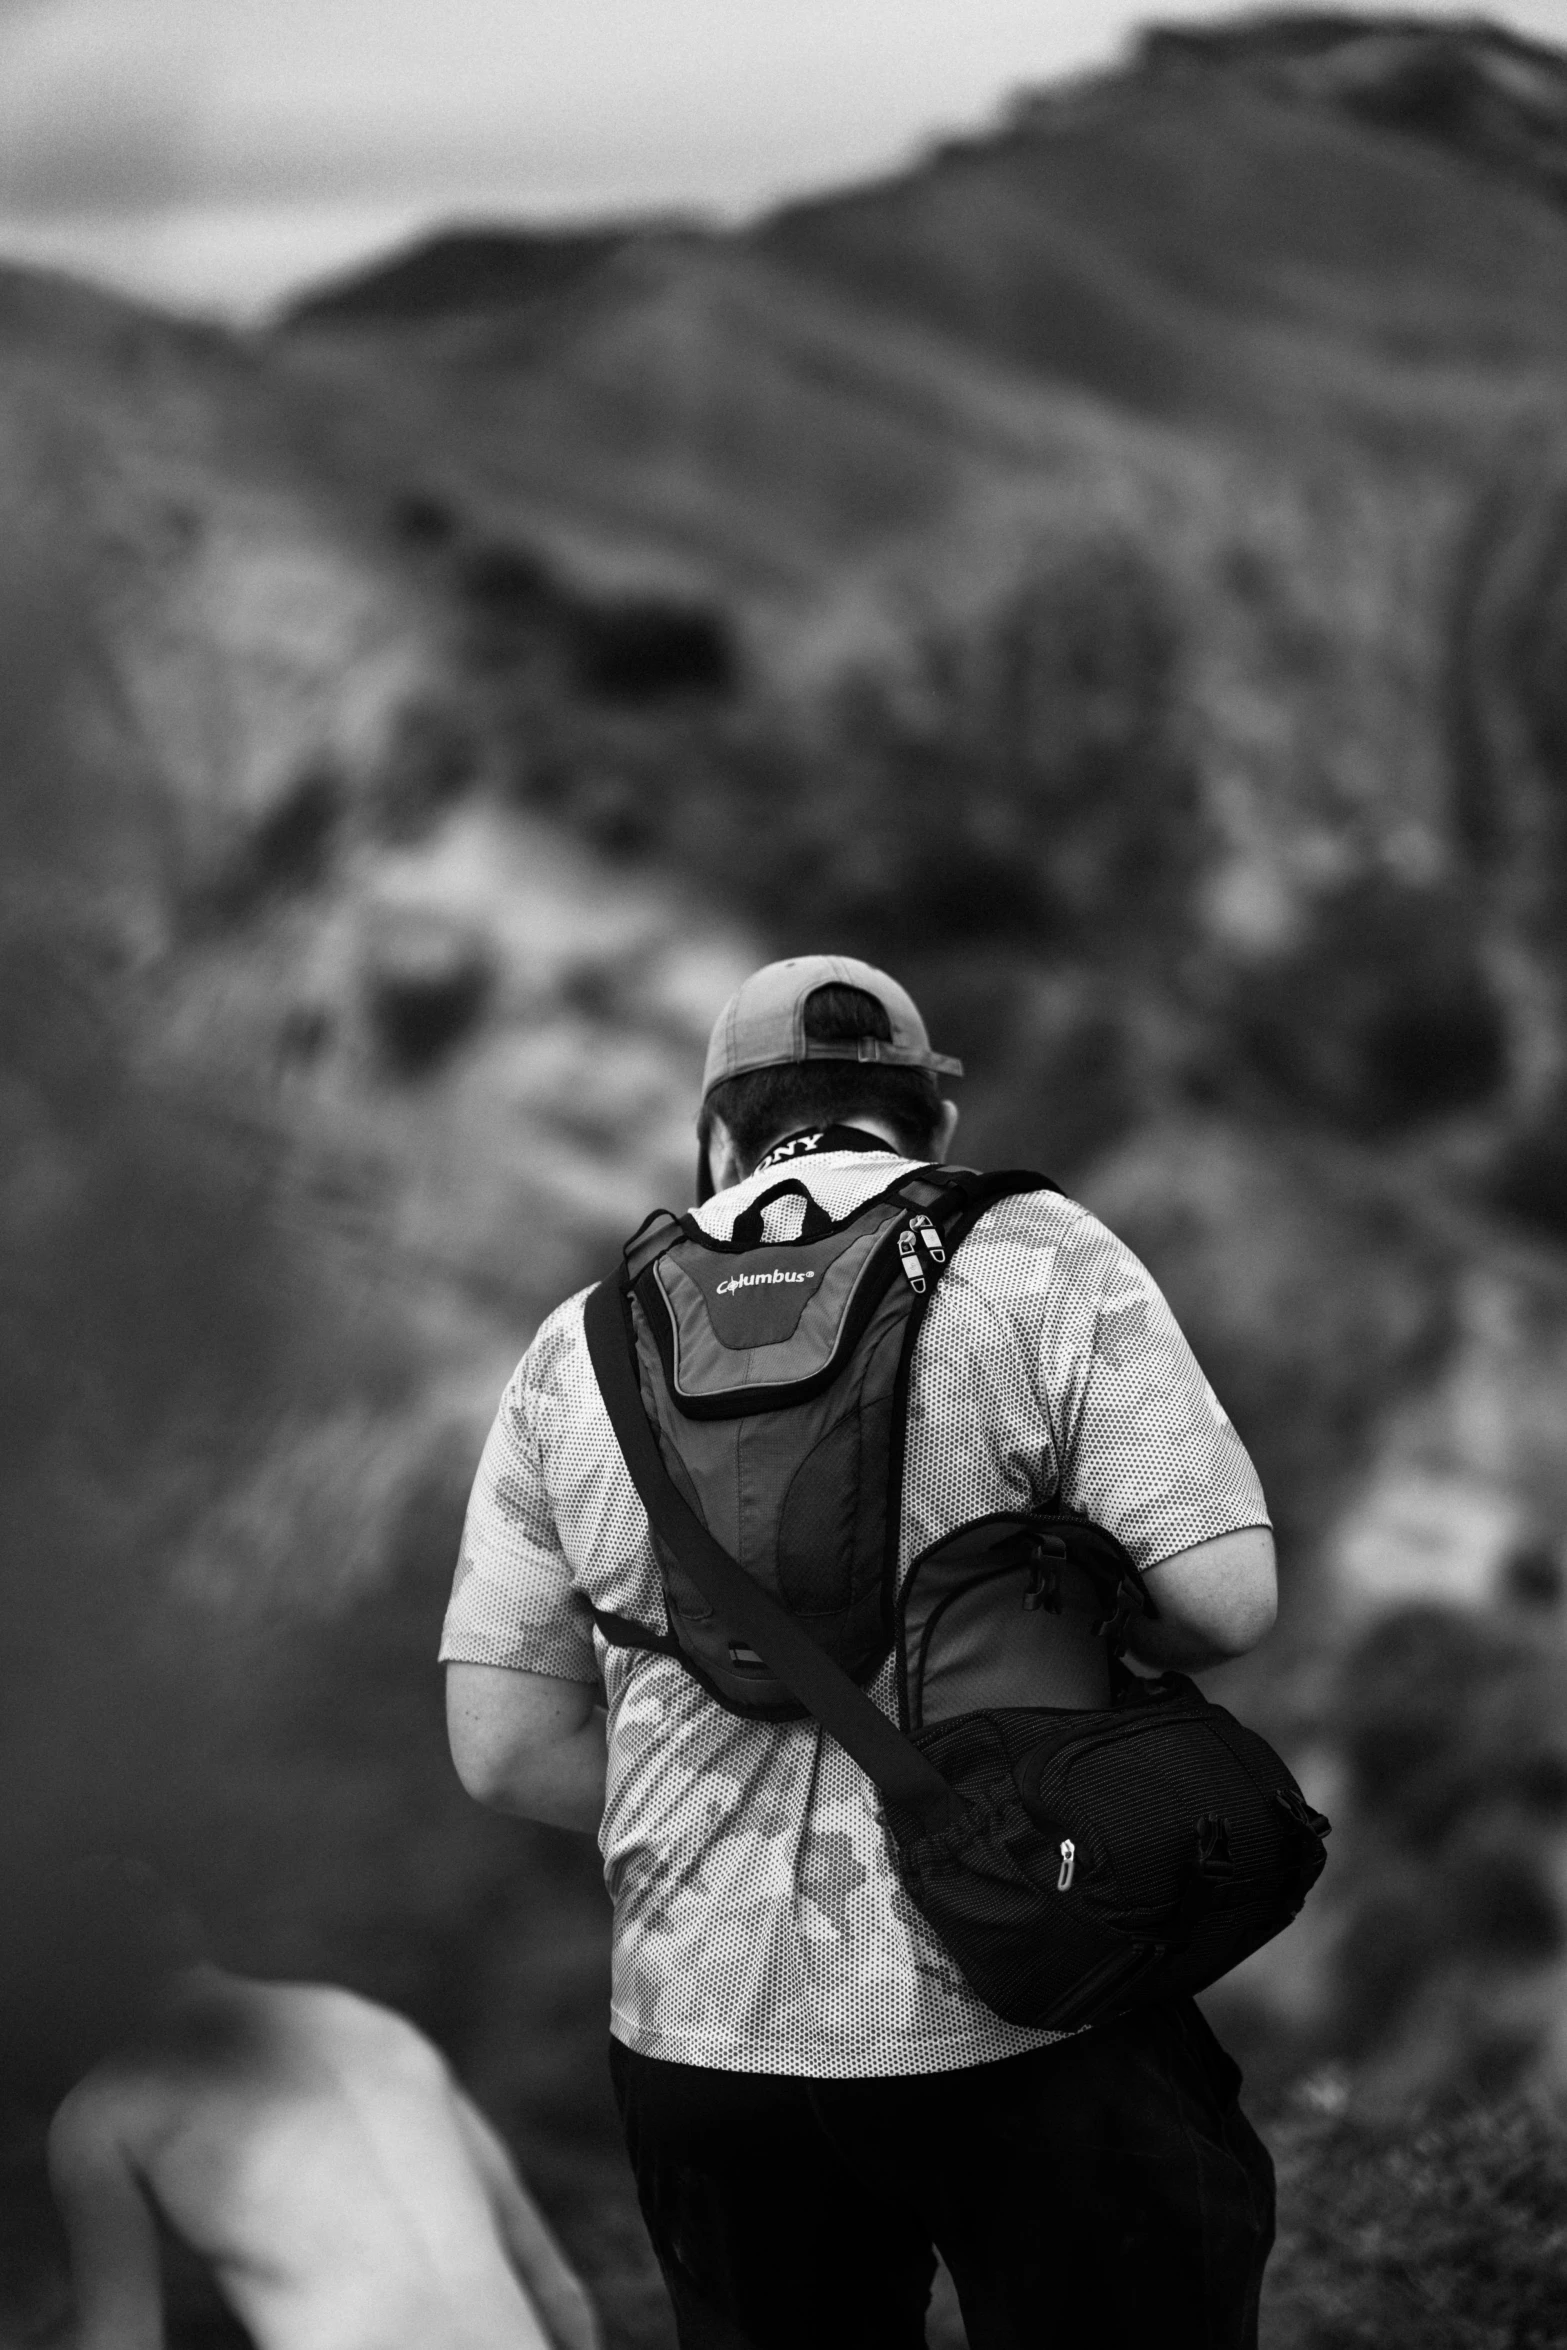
(929, 1238)
(1068, 1865)
(908, 1258)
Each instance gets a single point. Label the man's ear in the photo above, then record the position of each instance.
(723, 1160)
(945, 1130)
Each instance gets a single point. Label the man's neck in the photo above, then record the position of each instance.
(855, 1133)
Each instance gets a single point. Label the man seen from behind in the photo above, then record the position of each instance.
(814, 2101)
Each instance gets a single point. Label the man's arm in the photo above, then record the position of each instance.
(1215, 1601)
(538, 2260)
(110, 2229)
(528, 1743)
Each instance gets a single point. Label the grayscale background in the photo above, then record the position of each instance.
(512, 513)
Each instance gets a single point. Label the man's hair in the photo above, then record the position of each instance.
(760, 1105)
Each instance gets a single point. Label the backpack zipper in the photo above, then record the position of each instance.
(1068, 1865)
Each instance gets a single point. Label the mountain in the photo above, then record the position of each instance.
(1113, 571)
(1224, 177)
(1108, 567)
(468, 269)
(1251, 351)
(1474, 90)
(1249, 230)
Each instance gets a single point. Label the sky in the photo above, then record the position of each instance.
(216, 155)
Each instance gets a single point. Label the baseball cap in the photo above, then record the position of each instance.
(763, 1023)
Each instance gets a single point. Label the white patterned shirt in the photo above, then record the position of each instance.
(758, 1924)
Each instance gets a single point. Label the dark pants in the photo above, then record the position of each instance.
(1106, 2193)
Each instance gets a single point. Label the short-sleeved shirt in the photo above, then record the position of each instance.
(758, 1924)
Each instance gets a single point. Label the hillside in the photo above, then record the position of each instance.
(1240, 367)
(467, 269)
(1113, 571)
(1229, 238)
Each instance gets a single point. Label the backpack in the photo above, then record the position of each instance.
(1076, 1858)
(776, 1374)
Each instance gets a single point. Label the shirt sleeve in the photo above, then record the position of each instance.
(1146, 1448)
(513, 1602)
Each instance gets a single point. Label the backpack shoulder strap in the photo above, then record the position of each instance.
(659, 1230)
(877, 1745)
(964, 1193)
(948, 1202)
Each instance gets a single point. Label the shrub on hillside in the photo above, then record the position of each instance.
(1380, 1016)
(286, 851)
(648, 649)
(1506, 709)
(1529, 1178)
(1021, 775)
(1054, 1059)
(1449, 2234)
(422, 519)
(426, 983)
(507, 588)
(427, 762)
(1025, 772)
(1452, 1729)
